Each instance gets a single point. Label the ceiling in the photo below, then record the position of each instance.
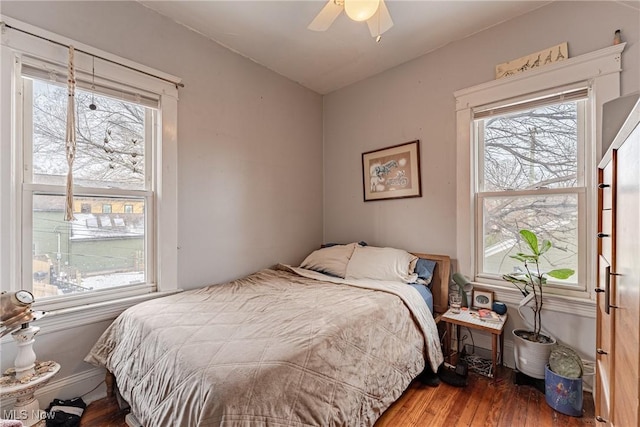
(275, 34)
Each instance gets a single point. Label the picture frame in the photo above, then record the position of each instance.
(392, 172)
(482, 299)
(556, 53)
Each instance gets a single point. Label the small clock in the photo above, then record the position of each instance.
(24, 297)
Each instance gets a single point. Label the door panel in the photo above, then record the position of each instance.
(607, 234)
(604, 345)
(627, 285)
(607, 178)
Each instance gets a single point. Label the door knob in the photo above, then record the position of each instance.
(601, 351)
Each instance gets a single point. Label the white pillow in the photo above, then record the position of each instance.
(370, 262)
(332, 260)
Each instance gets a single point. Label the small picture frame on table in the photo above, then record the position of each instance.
(482, 299)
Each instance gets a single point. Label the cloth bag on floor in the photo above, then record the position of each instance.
(66, 413)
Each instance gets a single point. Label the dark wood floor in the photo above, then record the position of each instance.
(481, 403)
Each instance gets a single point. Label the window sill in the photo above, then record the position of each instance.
(81, 299)
(73, 317)
(583, 307)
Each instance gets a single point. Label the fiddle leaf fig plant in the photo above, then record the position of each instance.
(532, 279)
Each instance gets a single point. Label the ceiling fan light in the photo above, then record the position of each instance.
(361, 10)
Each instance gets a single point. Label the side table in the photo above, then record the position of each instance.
(467, 319)
(27, 407)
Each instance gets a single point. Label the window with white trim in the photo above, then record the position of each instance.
(530, 175)
(103, 248)
(527, 147)
(122, 241)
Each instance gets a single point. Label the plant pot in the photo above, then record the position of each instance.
(531, 357)
(563, 394)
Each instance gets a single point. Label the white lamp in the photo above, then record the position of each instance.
(27, 375)
(15, 316)
(361, 10)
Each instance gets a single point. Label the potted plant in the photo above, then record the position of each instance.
(532, 347)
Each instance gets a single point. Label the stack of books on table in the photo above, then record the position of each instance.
(489, 316)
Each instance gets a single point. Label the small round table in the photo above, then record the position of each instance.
(27, 407)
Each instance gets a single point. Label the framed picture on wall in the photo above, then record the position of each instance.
(392, 172)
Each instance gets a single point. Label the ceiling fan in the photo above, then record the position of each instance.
(375, 12)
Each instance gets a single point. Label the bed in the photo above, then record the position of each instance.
(285, 346)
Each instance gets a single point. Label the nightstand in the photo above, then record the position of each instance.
(467, 319)
(27, 407)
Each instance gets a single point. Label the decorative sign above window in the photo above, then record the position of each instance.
(392, 172)
(533, 60)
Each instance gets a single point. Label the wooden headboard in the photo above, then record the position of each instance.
(440, 282)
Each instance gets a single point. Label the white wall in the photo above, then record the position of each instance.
(250, 144)
(415, 101)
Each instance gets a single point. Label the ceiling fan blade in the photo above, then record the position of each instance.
(381, 21)
(325, 18)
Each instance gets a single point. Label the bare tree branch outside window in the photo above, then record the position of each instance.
(105, 245)
(529, 152)
(110, 139)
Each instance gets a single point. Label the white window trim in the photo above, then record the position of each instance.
(600, 70)
(164, 227)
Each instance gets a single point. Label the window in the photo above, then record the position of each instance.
(113, 141)
(123, 147)
(527, 150)
(530, 174)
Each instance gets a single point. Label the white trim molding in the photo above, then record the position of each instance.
(578, 306)
(584, 67)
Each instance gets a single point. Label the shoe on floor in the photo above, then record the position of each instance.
(450, 377)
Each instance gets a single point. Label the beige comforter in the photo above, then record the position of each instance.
(274, 349)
